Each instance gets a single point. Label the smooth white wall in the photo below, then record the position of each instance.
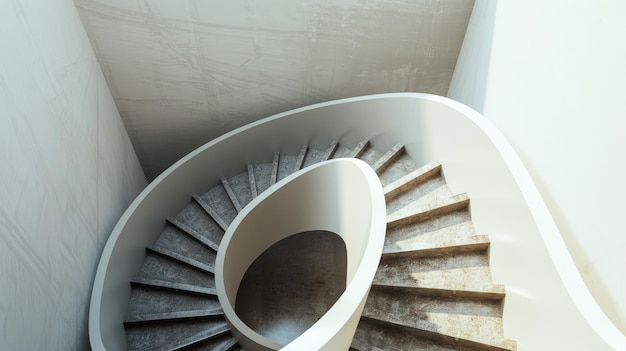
(67, 171)
(550, 75)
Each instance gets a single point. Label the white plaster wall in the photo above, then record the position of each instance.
(67, 172)
(184, 72)
(550, 75)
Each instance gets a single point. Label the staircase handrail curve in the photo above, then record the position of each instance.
(477, 159)
(343, 196)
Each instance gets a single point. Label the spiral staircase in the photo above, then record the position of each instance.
(432, 291)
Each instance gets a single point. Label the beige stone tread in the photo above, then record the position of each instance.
(178, 287)
(460, 344)
(359, 149)
(384, 161)
(469, 244)
(231, 194)
(469, 330)
(252, 181)
(190, 231)
(181, 258)
(412, 179)
(410, 214)
(373, 335)
(330, 151)
(275, 164)
(496, 292)
(211, 212)
(172, 316)
(301, 157)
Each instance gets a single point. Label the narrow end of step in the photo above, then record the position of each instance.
(359, 149)
(331, 150)
(382, 163)
(252, 181)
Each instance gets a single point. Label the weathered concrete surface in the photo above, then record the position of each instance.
(184, 72)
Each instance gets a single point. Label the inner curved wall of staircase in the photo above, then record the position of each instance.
(292, 284)
(550, 76)
(67, 172)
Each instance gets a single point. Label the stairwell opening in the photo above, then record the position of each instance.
(292, 285)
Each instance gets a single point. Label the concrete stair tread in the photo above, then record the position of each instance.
(210, 210)
(193, 233)
(231, 194)
(433, 245)
(359, 149)
(455, 327)
(301, 157)
(443, 341)
(164, 284)
(422, 210)
(384, 161)
(493, 292)
(252, 181)
(412, 179)
(171, 316)
(198, 338)
(181, 258)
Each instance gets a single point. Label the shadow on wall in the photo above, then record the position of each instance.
(471, 74)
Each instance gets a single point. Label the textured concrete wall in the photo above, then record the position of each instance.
(183, 72)
(550, 75)
(67, 171)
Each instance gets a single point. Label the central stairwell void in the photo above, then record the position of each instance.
(382, 176)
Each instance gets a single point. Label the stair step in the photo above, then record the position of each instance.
(410, 214)
(231, 344)
(373, 335)
(330, 151)
(275, 164)
(442, 341)
(358, 151)
(196, 339)
(231, 194)
(474, 321)
(212, 212)
(182, 259)
(252, 181)
(171, 316)
(179, 287)
(496, 292)
(475, 243)
(412, 179)
(191, 232)
(383, 162)
(301, 157)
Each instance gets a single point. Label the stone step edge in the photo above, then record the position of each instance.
(231, 194)
(172, 286)
(388, 158)
(506, 345)
(454, 203)
(196, 339)
(411, 180)
(474, 243)
(211, 212)
(497, 292)
(181, 259)
(193, 233)
(135, 319)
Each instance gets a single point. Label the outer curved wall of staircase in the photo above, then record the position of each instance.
(548, 306)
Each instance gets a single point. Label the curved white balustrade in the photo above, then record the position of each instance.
(547, 306)
(343, 196)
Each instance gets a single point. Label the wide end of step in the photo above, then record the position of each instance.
(452, 204)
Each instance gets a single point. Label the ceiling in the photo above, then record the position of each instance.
(183, 72)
